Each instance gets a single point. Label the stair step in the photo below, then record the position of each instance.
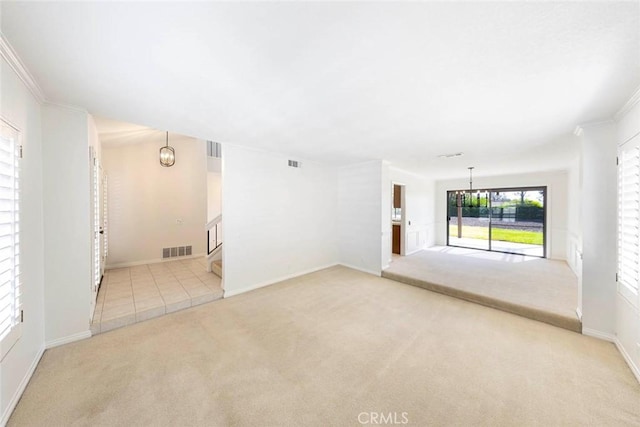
(216, 267)
(571, 323)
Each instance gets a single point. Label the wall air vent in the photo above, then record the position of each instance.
(214, 149)
(178, 251)
(295, 164)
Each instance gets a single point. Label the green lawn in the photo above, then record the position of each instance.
(500, 234)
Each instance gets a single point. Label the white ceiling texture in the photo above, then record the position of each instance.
(334, 82)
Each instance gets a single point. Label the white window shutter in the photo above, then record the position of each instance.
(629, 218)
(10, 283)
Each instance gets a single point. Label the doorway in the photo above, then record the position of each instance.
(508, 220)
(397, 219)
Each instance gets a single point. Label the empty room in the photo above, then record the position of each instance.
(319, 213)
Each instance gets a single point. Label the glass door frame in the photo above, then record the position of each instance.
(489, 191)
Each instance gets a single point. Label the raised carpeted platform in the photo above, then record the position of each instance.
(535, 288)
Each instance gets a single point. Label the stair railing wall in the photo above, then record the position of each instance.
(214, 234)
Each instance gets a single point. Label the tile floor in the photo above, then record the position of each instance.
(133, 294)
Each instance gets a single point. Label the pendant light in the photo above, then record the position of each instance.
(167, 154)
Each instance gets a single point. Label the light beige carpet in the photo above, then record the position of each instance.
(536, 288)
(324, 348)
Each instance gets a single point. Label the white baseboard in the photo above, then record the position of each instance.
(579, 313)
(233, 292)
(598, 334)
(611, 338)
(384, 267)
(21, 387)
(364, 270)
(66, 340)
(150, 261)
(634, 368)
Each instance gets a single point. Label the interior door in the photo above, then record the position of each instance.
(96, 208)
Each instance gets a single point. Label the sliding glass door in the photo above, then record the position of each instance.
(509, 220)
(469, 219)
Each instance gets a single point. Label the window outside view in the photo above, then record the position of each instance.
(511, 220)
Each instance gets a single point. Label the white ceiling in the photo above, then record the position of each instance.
(344, 82)
(115, 133)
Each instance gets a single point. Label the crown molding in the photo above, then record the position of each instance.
(579, 130)
(632, 102)
(9, 54)
(65, 106)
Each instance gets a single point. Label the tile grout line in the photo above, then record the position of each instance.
(131, 287)
(133, 297)
(159, 293)
(186, 291)
(135, 306)
(135, 310)
(169, 273)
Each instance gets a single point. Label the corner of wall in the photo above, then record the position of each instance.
(66, 209)
(15, 398)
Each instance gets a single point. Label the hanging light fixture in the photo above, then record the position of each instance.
(167, 154)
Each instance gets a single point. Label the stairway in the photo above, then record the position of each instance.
(214, 246)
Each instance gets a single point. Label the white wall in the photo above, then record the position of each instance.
(419, 213)
(214, 187)
(627, 314)
(574, 223)
(18, 106)
(214, 195)
(599, 229)
(153, 207)
(360, 214)
(386, 202)
(67, 227)
(94, 139)
(277, 221)
(557, 202)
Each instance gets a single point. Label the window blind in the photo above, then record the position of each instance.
(629, 218)
(10, 289)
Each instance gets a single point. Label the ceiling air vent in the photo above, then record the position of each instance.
(451, 155)
(295, 164)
